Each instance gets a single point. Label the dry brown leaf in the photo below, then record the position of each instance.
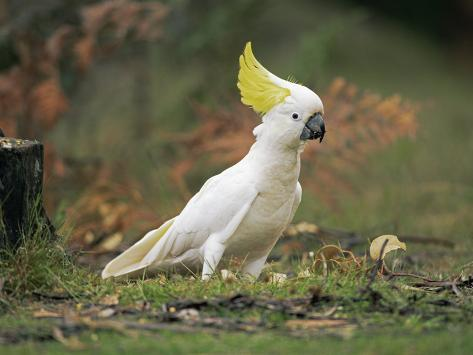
(329, 252)
(277, 278)
(393, 243)
(47, 103)
(301, 228)
(110, 243)
(307, 324)
(109, 300)
(304, 273)
(107, 324)
(72, 343)
(106, 313)
(84, 51)
(188, 314)
(228, 276)
(44, 313)
(332, 256)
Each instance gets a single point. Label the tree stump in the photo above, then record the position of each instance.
(21, 185)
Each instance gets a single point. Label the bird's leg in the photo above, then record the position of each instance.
(254, 267)
(213, 252)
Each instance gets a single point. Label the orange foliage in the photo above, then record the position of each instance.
(358, 124)
(47, 102)
(31, 96)
(105, 210)
(32, 100)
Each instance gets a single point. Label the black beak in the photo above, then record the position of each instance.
(314, 128)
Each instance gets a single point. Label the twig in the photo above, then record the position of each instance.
(455, 288)
(52, 296)
(375, 268)
(427, 240)
(354, 238)
(427, 282)
(392, 274)
(170, 326)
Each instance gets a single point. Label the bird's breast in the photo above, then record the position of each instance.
(262, 226)
(275, 173)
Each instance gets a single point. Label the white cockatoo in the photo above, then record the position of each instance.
(242, 211)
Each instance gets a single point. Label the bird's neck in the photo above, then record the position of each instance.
(275, 163)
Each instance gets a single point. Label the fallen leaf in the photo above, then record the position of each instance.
(188, 314)
(392, 244)
(43, 313)
(228, 276)
(277, 278)
(107, 324)
(89, 237)
(412, 288)
(308, 324)
(109, 300)
(301, 228)
(328, 252)
(332, 256)
(106, 313)
(304, 273)
(72, 343)
(110, 243)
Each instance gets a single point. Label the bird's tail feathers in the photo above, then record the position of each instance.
(133, 259)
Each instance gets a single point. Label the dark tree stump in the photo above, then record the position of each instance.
(21, 185)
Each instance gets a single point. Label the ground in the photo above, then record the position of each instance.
(348, 306)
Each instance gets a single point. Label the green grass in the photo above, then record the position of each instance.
(388, 311)
(455, 340)
(38, 263)
(39, 275)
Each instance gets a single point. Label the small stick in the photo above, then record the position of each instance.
(355, 238)
(427, 282)
(392, 274)
(376, 267)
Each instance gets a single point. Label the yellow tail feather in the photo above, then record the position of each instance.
(132, 259)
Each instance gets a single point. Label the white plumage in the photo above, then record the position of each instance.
(243, 211)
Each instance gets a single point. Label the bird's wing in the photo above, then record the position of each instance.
(218, 207)
(297, 201)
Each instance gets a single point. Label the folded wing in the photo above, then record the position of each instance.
(221, 203)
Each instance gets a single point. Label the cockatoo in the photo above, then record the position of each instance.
(242, 211)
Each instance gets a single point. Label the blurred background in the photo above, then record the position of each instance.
(137, 105)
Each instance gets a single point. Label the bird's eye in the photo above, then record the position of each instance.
(295, 115)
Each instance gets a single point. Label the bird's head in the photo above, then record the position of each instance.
(291, 113)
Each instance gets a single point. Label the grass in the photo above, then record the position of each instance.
(457, 340)
(385, 310)
(400, 318)
(38, 263)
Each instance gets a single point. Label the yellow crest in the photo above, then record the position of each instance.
(255, 84)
